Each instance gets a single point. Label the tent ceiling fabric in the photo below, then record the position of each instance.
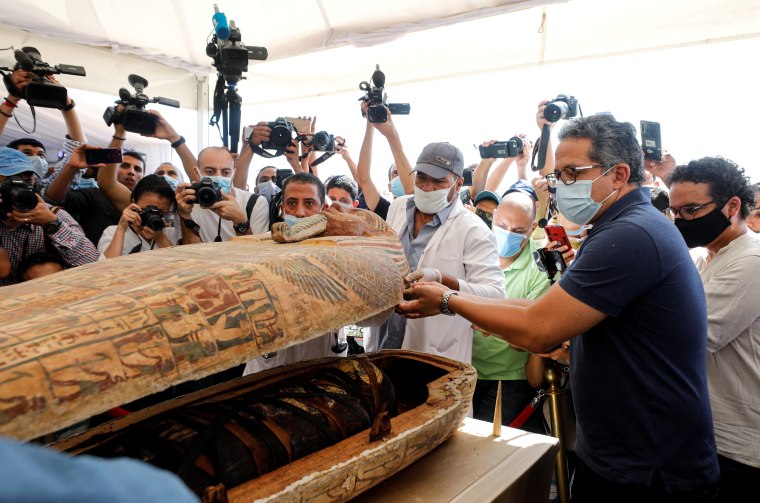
(326, 46)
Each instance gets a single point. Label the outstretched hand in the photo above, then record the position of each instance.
(425, 300)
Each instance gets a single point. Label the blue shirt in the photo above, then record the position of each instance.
(639, 377)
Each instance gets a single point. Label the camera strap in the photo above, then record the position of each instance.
(322, 158)
(263, 153)
(218, 238)
(540, 148)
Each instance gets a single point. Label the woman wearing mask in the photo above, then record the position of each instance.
(146, 224)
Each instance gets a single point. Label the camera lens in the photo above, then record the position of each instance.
(555, 111)
(206, 196)
(280, 136)
(320, 140)
(377, 113)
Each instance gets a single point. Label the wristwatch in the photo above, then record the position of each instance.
(445, 303)
(51, 228)
(242, 228)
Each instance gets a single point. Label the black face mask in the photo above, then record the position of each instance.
(486, 217)
(703, 230)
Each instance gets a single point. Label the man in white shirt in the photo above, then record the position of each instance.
(237, 213)
(710, 199)
(442, 242)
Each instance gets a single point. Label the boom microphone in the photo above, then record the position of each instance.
(23, 60)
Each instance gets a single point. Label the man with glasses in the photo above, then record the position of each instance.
(633, 306)
(710, 199)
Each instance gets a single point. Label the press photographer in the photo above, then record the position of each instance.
(29, 225)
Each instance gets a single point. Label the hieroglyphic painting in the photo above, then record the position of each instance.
(91, 338)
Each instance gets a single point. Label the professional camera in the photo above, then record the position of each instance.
(377, 99)
(207, 192)
(40, 92)
(152, 218)
(134, 118)
(561, 107)
(15, 193)
(323, 142)
(280, 136)
(503, 149)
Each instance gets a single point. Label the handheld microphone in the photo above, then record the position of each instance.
(219, 20)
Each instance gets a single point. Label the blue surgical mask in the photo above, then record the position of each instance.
(225, 183)
(268, 190)
(575, 201)
(87, 183)
(508, 243)
(291, 220)
(397, 188)
(40, 166)
(173, 182)
(577, 232)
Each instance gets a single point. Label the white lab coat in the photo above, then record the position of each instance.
(465, 248)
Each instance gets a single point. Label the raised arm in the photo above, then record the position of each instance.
(404, 168)
(363, 171)
(56, 191)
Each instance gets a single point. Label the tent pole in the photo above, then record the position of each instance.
(202, 109)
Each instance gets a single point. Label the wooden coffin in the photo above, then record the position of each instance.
(83, 341)
(433, 395)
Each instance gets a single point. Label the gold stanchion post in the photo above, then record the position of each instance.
(554, 391)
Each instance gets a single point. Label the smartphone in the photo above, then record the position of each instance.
(557, 233)
(247, 132)
(651, 142)
(467, 177)
(94, 156)
(302, 125)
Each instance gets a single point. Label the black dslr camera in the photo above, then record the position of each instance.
(323, 142)
(502, 149)
(561, 107)
(377, 99)
(134, 118)
(152, 218)
(281, 135)
(40, 92)
(207, 192)
(16, 193)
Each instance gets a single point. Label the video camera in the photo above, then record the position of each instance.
(561, 107)
(40, 92)
(231, 58)
(377, 99)
(503, 149)
(134, 118)
(152, 218)
(16, 193)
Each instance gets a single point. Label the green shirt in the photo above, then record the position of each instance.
(491, 356)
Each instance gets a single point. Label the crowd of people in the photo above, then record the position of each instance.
(651, 309)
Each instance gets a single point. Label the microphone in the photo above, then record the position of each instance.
(23, 60)
(378, 77)
(219, 20)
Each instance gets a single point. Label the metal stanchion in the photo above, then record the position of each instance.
(554, 391)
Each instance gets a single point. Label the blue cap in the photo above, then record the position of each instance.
(487, 194)
(524, 187)
(13, 162)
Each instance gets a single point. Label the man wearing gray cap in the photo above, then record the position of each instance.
(442, 242)
(29, 225)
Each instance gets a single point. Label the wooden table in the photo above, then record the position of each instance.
(474, 466)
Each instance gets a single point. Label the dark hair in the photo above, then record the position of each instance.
(258, 175)
(724, 178)
(154, 184)
(15, 144)
(345, 183)
(38, 258)
(660, 198)
(135, 154)
(305, 178)
(390, 170)
(612, 142)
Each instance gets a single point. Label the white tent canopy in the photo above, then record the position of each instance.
(326, 47)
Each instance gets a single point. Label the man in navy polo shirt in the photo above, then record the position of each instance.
(633, 305)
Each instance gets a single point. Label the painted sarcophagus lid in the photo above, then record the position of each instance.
(80, 342)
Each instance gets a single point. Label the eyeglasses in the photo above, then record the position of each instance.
(568, 175)
(687, 212)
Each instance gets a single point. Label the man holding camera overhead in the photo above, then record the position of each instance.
(29, 225)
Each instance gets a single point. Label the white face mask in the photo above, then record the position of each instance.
(431, 202)
(40, 166)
